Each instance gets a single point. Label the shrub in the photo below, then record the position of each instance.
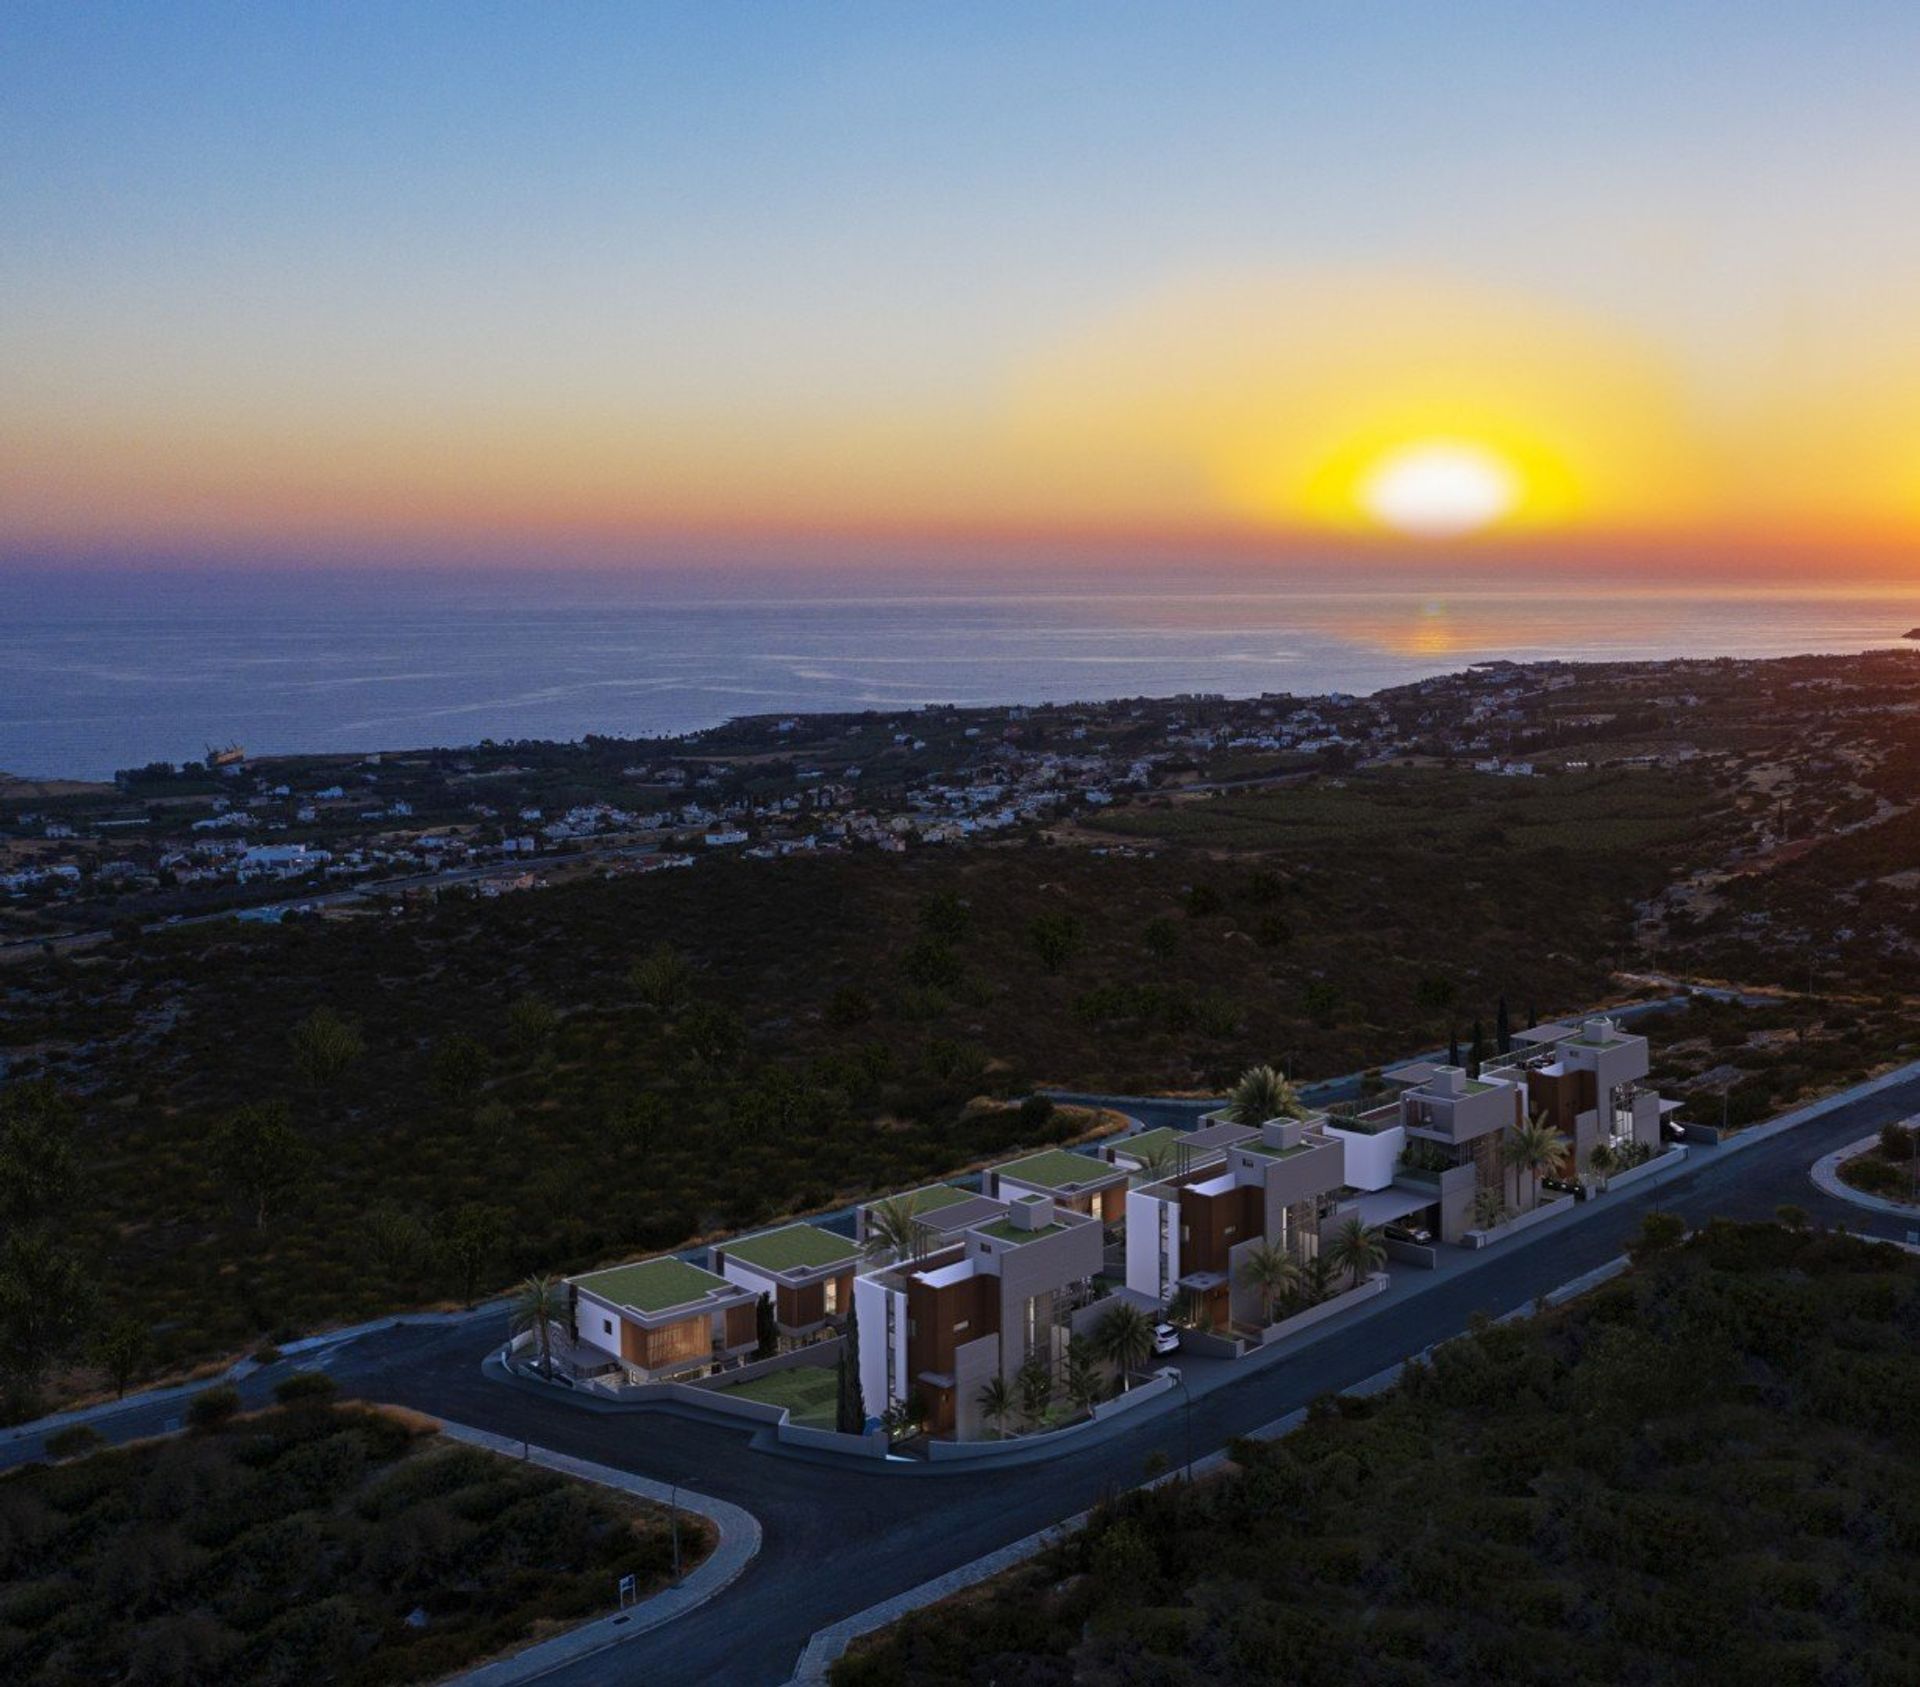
(212, 1407)
(1036, 1113)
(74, 1440)
(305, 1386)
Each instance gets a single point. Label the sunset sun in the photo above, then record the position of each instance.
(1440, 489)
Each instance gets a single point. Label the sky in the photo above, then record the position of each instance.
(1539, 284)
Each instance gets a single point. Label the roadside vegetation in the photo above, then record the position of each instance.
(248, 1132)
(1703, 1471)
(1890, 1168)
(312, 1542)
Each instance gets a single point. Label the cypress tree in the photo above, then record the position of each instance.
(1453, 1047)
(1502, 1031)
(1479, 1050)
(850, 1411)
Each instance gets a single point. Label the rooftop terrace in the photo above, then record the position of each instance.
(1057, 1169)
(1004, 1230)
(652, 1285)
(793, 1247)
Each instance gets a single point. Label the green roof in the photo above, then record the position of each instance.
(791, 1248)
(1057, 1169)
(653, 1285)
(1005, 1230)
(1147, 1143)
(928, 1200)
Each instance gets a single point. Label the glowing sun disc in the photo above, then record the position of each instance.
(1439, 490)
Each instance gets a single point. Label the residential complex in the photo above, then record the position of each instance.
(955, 1289)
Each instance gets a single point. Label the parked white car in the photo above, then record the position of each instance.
(1166, 1339)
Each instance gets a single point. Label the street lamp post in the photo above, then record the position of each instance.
(1186, 1397)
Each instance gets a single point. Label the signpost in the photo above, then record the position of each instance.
(628, 1595)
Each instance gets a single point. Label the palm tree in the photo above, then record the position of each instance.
(1357, 1249)
(1083, 1373)
(1489, 1208)
(1036, 1388)
(1317, 1280)
(1270, 1272)
(1260, 1095)
(1126, 1337)
(1602, 1160)
(890, 1227)
(1536, 1148)
(541, 1303)
(996, 1402)
(1157, 1162)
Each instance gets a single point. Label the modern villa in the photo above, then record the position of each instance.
(1074, 1182)
(1171, 1151)
(1279, 1185)
(1001, 1284)
(662, 1318)
(808, 1272)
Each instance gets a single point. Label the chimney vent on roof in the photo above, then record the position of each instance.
(1031, 1212)
(1450, 1080)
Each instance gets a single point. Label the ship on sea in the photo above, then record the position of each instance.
(231, 756)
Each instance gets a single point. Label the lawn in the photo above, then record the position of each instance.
(809, 1392)
(311, 1543)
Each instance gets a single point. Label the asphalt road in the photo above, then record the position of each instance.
(838, 1539)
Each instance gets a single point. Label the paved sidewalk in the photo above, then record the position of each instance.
(739, 1542)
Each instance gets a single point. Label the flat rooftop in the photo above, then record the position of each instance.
(653, 1285)
(793, 1247)
(928, 1200)
(1057, 1169)
(961, 1215)
(1268, 1151)
(1005, 1230)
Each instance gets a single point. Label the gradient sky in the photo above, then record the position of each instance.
(346, 281)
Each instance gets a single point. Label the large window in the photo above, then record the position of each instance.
(833, 1296)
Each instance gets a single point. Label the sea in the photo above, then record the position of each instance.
(101, 671)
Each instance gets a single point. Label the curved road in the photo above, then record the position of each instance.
(838, 1539)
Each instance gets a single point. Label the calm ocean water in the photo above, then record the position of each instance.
(99, 672)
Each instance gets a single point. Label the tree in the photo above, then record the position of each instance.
(459, 1068)
(39, 1164)
(766, 1331)
(396, 1242)
(713, 1034)
(996, 1402)
(542, 1302)
(531, 1023)
(120, 1350)
(1477, 1050)
(470, 1236)
(1659, 1233)
(1271, 1272)
(1357, 1250)
(214, 1407)
(1502, 1029)
(662, 978)
(1162, 938)
(324, 1049)
(635, 1118)
(1055, 938)
(1125, 1336)
(945, 917)
(1453, 1048)
(46, 1301)
(1036, 1113)
(265, 1161)
(1489, 1208)
(850, 1408)
(1318, 1283)
(1537, 1149)
(1262, 1094)
(1435, 995)
(1602, 1161)
(1035, 1381)
(1157, 1162)
(1083, 1373)
(890, 1230)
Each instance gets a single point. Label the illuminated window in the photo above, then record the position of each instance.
(963, 1326)
(833, 1296)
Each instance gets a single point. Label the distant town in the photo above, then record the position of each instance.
(1796, 744)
